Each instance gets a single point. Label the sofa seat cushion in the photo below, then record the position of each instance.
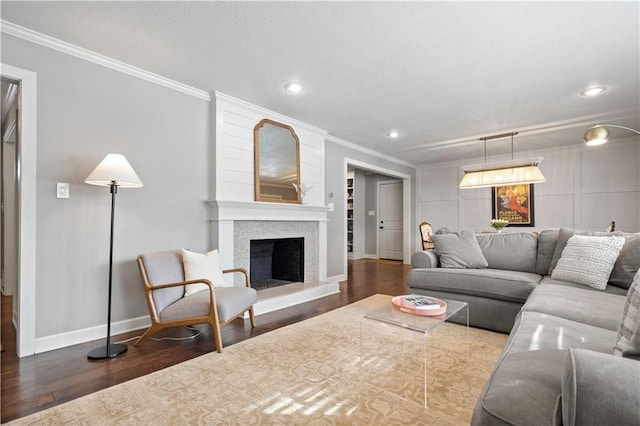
(523, 390)
(587, 305)
(537, 331)
(609, 290)
(511, 286)
(229, 301)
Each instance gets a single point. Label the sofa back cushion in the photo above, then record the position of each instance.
(563, 237)
(459, 250)
(628, 262)
(546, 246)
(510, 251)
(625, 267)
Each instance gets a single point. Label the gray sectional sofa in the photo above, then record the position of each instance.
(558, 365)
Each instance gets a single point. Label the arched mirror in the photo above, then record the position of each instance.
(276, 162)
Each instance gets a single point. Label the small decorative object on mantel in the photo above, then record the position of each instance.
(417, 304)
(302, 189)
(499, 224)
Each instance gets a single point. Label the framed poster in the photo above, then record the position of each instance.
(513, 203)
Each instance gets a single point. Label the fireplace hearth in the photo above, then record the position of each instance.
(276, 262)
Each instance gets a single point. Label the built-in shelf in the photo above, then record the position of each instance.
(349, 215)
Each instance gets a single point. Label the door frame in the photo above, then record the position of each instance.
(378, 183)
(26, 151)
(406, 205)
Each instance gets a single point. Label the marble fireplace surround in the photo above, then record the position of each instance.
(235, 223)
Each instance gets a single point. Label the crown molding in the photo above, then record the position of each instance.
(105, 61)
(351, 145)
(219, 96)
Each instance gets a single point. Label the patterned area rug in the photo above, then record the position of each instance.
(331, 369)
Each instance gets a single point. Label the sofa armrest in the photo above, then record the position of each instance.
(599, 388)
(425, 259)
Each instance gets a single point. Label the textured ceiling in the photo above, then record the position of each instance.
(442, 74)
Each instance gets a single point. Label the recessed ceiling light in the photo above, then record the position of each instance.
(393, 134)
(293, 87)
(593, 91)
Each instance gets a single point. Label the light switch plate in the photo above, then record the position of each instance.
(331, 207)
(372, 212)
(62, 190)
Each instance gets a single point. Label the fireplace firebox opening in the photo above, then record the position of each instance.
(276, 262)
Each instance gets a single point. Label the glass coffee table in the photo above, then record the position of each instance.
(393, 348)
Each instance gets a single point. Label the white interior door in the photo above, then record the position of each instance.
(390, 220)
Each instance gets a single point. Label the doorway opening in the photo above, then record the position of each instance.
(9, 140)
(365, 235)
(24, 298)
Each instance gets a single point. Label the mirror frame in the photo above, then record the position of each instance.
(256, 161)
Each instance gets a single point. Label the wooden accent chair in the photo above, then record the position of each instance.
(425, 236)
(164, 287)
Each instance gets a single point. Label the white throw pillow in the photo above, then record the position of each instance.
(202, 266)
(588, 260)
(628, 341)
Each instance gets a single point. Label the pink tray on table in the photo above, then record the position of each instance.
(402, 305)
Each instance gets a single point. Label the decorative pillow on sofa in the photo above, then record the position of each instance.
(628, 341)
(588, 260)
(563, 236)
(199, 266)
(459, 250)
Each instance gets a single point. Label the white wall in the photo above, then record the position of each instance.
(234, 178)
(586, 188)
(86, 111)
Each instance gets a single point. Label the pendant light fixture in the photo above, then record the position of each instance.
(500, 173)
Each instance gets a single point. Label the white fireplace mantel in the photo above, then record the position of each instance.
(224, 214)
(255, 210)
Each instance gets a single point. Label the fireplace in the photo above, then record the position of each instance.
(276, 262)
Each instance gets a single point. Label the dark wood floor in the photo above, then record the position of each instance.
(33, 383)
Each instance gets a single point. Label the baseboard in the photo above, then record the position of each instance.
(337, 278)
(57, 341)
(370, 256)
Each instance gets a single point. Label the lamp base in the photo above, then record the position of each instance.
(115, 349)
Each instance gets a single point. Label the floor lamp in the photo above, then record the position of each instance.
(113, 171)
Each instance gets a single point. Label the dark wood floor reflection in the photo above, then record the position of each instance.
(41, 381)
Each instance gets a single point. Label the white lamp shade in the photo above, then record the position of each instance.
(114, 169)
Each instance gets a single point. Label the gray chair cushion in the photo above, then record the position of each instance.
(546, 247)
(232, 300)
(163, 268)
(229, 300)
(459, 250)
(511, 286)
(587, 305)
(194, 305)
(510, 251)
